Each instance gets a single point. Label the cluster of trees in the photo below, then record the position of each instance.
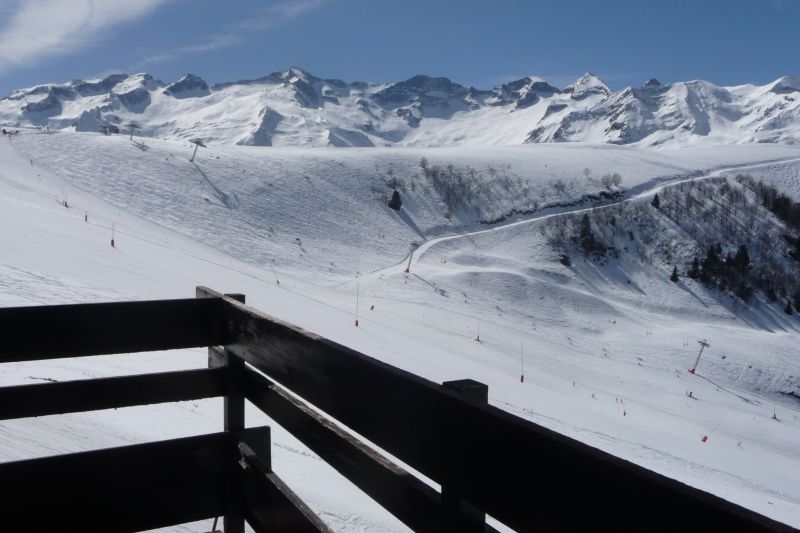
(582, 235)
(468, 189)
(588, 242)
(739, 236)
(748, 211)
(731, 272)
(611, 181)
(781, 205)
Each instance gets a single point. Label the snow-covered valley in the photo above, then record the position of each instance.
(604, 348)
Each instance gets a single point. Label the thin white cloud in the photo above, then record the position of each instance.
(40, 29)
(263, 19)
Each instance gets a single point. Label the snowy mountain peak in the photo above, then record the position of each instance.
(786, 84)
(189, 86)
(652, 83)
(421, 89)
(294, 107)
(524, 92)
(587, 85)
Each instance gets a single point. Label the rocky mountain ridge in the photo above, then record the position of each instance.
(295, 108)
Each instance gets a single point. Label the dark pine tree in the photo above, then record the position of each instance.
(772, 296)
(789, 310)
(586, 236)
(674, 277)
(395, 202)
(741, 261)
(656, 202)
(694, 270)
(711, 265)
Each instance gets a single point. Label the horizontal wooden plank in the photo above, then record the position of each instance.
(23, 401)
(269, 504)
(522, 474)
(129, 488)
(56, 331)
(413, 502)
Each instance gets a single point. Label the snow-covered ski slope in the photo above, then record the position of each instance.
(604, 350)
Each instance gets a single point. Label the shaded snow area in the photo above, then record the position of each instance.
(604, 345)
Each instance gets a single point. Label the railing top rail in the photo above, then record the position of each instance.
(76, 330)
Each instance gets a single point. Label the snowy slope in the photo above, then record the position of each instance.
(604, 360)
(295, 108)
(281, 207)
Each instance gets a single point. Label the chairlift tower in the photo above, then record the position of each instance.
(133, 125)
(703, 344)
(197, 144)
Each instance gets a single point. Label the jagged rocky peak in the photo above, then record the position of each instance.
(587, 85)
(189, 86)
(134, 92)
(652, 83)
(523, 92)
(50, 105)
(296, 74)
(422, 89)
(306, 86)
(100, 86)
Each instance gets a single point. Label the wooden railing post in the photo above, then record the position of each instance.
(234, 422)
(460, 515)
(233, 419)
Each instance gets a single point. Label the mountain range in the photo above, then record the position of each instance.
(295, 108)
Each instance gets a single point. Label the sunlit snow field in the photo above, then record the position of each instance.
(604, 349)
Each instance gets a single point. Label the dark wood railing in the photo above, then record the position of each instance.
(485, 460)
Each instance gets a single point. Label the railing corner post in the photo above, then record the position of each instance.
(458, 514)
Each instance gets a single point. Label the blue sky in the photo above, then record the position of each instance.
(480, 43)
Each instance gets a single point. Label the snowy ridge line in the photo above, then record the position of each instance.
(293, 107)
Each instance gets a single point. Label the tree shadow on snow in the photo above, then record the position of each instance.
(410, 223)
(759, 314)
(612, 273)
(226, 200)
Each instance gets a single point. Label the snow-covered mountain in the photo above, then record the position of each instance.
(294, 108)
